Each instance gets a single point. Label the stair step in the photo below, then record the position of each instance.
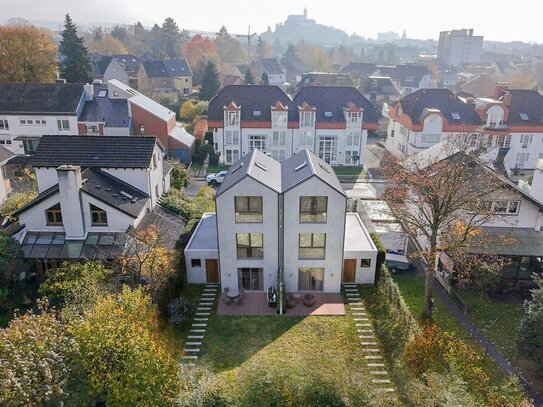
(379, 372)
(203, 309)
(386, 390)
(203, 313)
(370, 350)
(362, 324)
(360, 319)
(191, 350)
(366, 336)
(376, 365)
(205, 304)
(195, 337)
(197, 330)
(380, 381)
(373, 357)
(201, 319)
(189, 357)
(368, 343)
(193, 343)
(199, 325)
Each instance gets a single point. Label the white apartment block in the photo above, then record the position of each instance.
(459, 47)
(332, 122)
(510, 122)
(288, 215)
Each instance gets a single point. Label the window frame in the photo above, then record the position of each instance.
(311, 249)
(193, 262)
(303, 214)
(252, 251)
(238, 214)
(56, 212)
(365, 263)
(99, 212)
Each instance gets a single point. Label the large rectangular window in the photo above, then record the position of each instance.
(279, 155)
(63, 125)
(279, 138)
(353, 138)
(311, 279)
(307, 119)
(4, 125)
(258, 142)
(232, 156)
(248, 209)
(250, 278)
(232, 118)
(279, 119)
(312, 246)
(313, 209)
(232, 137)
(250, 245)
(305, 137)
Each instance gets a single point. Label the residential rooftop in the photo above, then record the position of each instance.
(40, 98)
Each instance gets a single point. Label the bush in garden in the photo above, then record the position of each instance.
(180, 310)
(530, 339)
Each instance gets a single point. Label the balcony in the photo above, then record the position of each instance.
(496, 127)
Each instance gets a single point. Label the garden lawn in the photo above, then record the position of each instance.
(300, 349)
(195, 167)
(212, 169)
(412, 289)
(349, 171)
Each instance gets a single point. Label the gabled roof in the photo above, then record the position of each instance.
(129, 62)
(251, 98)
(408, 75)
(302, 166)
(258, 166)
(152, 107)
(94, 151)
(155, 69)
(5, 154)
(181, 135)
(280, 177)
(40, 98)
(112, 112)
(169, 224)
(359, 68)
(334, 99)
(177, 67)
(443, 100)
(271, 66)
(380, 84)
(293, 65)
(325, 79)
(103, 63)
(528, 102)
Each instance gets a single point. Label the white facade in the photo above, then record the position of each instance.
(458, 47)
(115, 71)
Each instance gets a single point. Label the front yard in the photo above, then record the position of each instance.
(358, 171)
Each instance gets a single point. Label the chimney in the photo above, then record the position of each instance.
(89, 91)
(69, 183)
(507, 98)
(537, 181)
(500, 89)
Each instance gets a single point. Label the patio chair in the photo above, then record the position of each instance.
(238, 300)
(309, 300)
(226, 299)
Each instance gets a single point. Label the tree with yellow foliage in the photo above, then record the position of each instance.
(27, 54)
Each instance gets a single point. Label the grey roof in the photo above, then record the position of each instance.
(529, 102)
(205, 235)
(177, 67)
(325, 79)
(170, 225)
(314, 166)
(105, 188)
(155, 69)
(408, 75)
(130, 63)
(108, 188)
(381, 85)
(256, 165)
(280, 177)
(517, 242)
(5, 154)
(112, 112)
(271, 66)
(359, 69)
(40, 98)
(95, 151)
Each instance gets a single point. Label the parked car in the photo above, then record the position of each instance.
(216, 179)
(399, 264)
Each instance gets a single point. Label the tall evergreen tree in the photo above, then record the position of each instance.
(265, 78)
(74, 58)
(249, 78)
(171, 37)
(210, 81)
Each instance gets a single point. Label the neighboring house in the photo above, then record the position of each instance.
(30, 110)
(330, 121)
(106, 68)
(289, 216)
(480, 86)
(172, 75)
(294, 68)
(511, 122)
(324, 79)
(408, 78)
(272, 67)
(5, 185)
(91, 190)
(131, 65)
(379, 90)
(459, 47)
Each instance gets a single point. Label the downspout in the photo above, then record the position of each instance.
(281, 254)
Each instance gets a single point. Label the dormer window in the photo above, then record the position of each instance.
(232, 118)
(53, 215)
(279, 119)
(307, 119)
(354, 117)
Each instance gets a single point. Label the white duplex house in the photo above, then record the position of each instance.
(288, 215)
(332, 122)
(510, 121)
(91, 189)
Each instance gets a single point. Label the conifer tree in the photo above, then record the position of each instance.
(249, 78)
(210, 81)
(74, 58)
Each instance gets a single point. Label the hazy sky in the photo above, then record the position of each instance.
(519, 20)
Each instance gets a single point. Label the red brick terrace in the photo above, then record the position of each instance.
(255, 303)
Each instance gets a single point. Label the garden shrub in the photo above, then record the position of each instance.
(180, 176)
(381, 254)
(180, 310)
(530, 339)
(177, 201)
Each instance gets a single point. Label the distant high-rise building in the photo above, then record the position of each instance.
(458, 47)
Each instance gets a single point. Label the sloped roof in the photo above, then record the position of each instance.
(155, 69)
(130, 63)
(302, 166)
(169, 224)
(280, 177)
(293, 64)
(334, 99)
(529, 102)
(177, 67)
(94, 151)
(325, 79)
(442, 99)
(182, 136)
(408, 75)
(5, 154)
(103, 63)
(40, 98)
(271, 66)
(251, 98)
(113, 112)
(359, 68)
(152, 107)
(256, 165)
(380, 84)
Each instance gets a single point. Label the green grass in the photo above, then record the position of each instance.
(412, 289)
(498, 320)
(211, 169)
(349, 171)
(195, 167)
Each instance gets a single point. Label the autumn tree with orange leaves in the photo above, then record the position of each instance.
(27, 54)
(442, 202)
(198, 49)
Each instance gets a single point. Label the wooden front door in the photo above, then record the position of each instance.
(212, 271)
(349, 270)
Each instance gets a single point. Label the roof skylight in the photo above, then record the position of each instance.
(523, 116)
(261, 166)
(455, 115)
(102, 93)
(327, 114)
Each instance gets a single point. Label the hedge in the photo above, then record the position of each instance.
(381, 254)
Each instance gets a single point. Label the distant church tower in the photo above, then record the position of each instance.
(404, 35)
(305, 13)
